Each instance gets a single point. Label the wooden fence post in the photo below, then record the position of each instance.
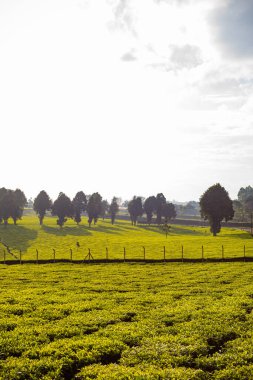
(124, 254)
(182, 252)
(164, 253)
(37, 256)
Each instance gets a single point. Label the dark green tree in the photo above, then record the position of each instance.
(114, 209)
(168, 212)
(3, 191)
(20, 201)
(94, 208)
(7, 204)
(42, 203)
(79, 205)
(104, 208)
(135, 209)
(160, 202)
(215, 205)
(62, 207)
(150, 206)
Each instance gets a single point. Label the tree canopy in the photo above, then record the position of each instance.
(79, 205)
(135, 209)
(150, 206)
(215, 205)
(160, 202)
(12, 204)
(94, 207)
(42, 203)
(168, 211)
(62, 207)
(114, 209)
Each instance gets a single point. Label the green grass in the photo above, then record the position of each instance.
(28, 236)
(126, 321)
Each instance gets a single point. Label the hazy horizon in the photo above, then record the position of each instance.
(126, 97)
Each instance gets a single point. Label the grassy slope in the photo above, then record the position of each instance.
(127, 321)
(29, 236)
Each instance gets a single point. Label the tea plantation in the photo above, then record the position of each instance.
(180, 321)
(127, 321)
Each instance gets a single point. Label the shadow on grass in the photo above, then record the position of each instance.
(17, 237)
(81, 230)
(174, 231)
(66, 230)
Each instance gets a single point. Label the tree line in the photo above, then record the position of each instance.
(215, 205)
(64, 208)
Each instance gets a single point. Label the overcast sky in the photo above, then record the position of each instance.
(126, 97)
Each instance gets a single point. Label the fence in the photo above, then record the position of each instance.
(116, 253)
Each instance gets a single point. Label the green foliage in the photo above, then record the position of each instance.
(135, 209)
(160, 202)
(105, 208)
(168, 211)
(12, 204)
(126, 321)
(94, 207)
(42, 203)
(114, 209)
(79, 205)
(215, 206)
(62, 207)
(244, 193)
(149, 207)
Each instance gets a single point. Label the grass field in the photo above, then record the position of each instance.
(126, 321)
(28, 236)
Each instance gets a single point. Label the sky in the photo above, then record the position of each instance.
(126, 97)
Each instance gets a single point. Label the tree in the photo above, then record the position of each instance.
(168, 211)
(104, 208)
(244, 193)
(135, 209)
(160, 202)
(79, 205)
(215, 205)
(42, 203)
(239, 210)
(191, 208)
(7, 204)
(114, 209)
(149, 207)
(19, 203)
(94, 208)
(249, 209)
(62, 207)
(3, 191)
